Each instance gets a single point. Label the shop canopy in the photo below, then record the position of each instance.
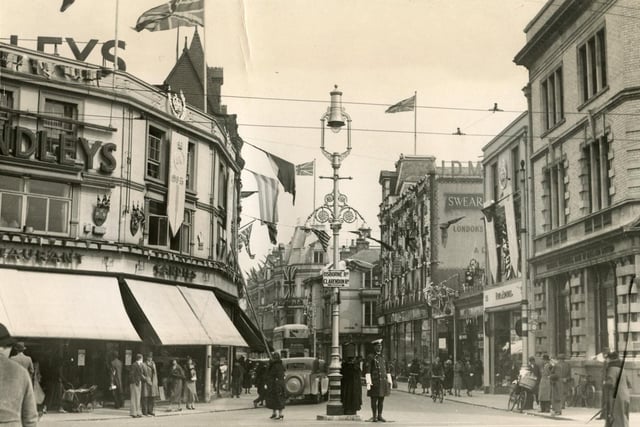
(54, 305)
(214, 319)
(249, 331)
(171, 319)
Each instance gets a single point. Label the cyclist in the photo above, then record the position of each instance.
(437, 377)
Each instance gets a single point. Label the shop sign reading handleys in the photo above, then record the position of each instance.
(335, 278)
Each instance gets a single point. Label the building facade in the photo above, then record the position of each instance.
(358, 317)
(429, 221)
(505, 292)
(583, 78)
(277, 290)
(118, 211)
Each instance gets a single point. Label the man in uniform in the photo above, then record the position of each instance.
(378, 380)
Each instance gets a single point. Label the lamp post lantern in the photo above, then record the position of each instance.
(335, 211)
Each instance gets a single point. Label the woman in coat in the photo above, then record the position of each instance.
(544, 387)
(458, 369)
(190, 394)
(275, 387)
(176, 378)
(621, 398)
(237, 376)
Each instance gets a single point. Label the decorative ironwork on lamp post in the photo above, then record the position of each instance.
(335, 211)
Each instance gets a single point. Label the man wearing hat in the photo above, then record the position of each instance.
(150, 388)
(560, 378)
(24, 360)
(378, 380)
(17, 401)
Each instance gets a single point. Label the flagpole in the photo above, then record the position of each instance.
(415, 122)
(314, 185)
(115, 52)
(177, 42)
(204, 48)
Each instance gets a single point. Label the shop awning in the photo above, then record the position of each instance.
(249, 331)
(214, 319)
(168, 314)
(54, 305)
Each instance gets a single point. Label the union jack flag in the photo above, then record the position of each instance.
(244, 238)
(172, 14)
(305, 169)
(289, 276)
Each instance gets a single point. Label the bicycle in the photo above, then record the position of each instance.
(413, 383)
(437, 388)
(583, 394)
(517, 397)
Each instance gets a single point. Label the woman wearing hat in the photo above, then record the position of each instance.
(17, 401)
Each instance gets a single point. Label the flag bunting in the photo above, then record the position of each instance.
(172, 14)
(244, 238)
(66, 4)
(286, 173)
(408, 104)
(323, 237)
(268, 200)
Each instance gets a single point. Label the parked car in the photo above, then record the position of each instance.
(303, 382)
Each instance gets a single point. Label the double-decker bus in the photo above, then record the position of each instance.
(291, 340)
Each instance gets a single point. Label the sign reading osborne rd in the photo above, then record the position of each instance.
(335, 279)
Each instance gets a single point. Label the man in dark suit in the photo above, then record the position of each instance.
(560, 378)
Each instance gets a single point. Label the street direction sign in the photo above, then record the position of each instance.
(335, 278)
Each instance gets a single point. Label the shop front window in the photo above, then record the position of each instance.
(34, 205)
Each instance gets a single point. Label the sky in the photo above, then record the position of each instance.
(282, 58)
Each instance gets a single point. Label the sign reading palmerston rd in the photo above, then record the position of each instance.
(335, 278)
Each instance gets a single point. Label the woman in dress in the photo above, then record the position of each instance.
(190, 394)
(176, 378)
(457, 377)
(275, 387)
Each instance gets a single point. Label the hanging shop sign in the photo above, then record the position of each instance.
(23, 143)
(335, 278)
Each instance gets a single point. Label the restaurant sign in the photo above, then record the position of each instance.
(31, 256)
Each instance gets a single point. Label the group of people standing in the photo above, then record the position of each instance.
(464, 374)
(554, 384)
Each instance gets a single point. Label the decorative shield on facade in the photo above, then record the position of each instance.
(101, 211)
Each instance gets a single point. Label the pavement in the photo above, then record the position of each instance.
(245, 401)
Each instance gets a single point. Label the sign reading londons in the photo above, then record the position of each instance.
(335, 279)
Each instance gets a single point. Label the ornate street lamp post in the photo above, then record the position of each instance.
(335, 211)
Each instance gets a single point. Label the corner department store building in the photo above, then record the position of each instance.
(96, 168)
